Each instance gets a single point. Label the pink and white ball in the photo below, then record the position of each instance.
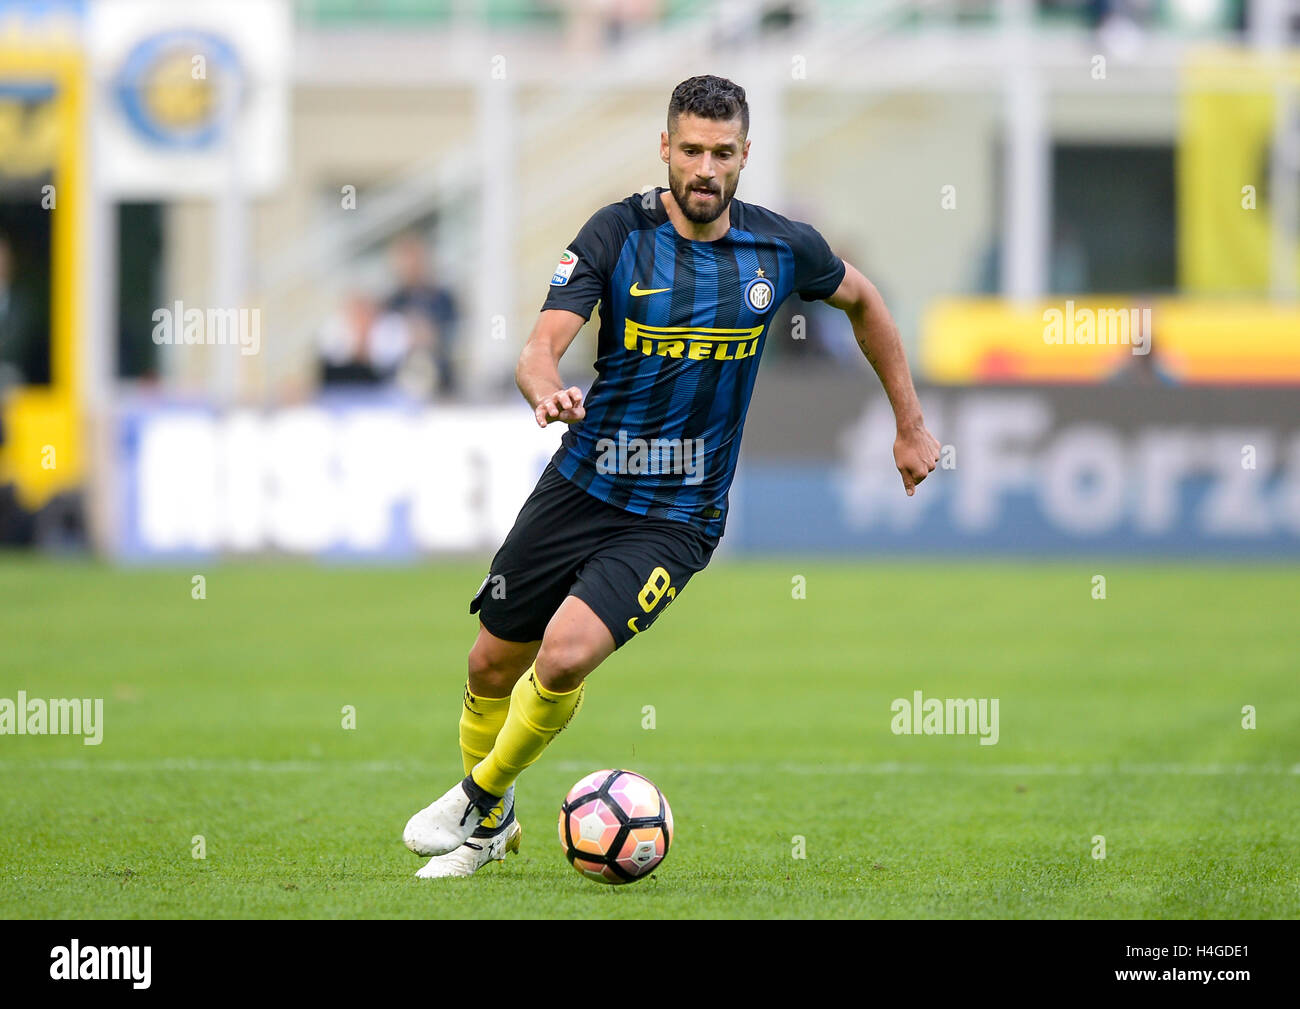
(615, 826)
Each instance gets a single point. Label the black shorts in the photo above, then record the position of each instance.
(626, 567)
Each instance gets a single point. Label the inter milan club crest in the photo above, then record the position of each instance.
(759, 293)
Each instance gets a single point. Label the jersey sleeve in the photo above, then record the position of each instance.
(583, 270)
(817, 270)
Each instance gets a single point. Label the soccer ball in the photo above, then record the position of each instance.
(615, 826)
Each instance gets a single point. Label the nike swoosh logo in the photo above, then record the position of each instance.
(640, 292)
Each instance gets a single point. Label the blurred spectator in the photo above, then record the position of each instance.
(738, 23)
(432, 317)
(624, 17)
(1121, 24)
(1144, 369)
(596, 23)
(1068, 272)
(360, 345)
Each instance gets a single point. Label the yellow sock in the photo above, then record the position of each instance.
(481, 719)
(536, 717)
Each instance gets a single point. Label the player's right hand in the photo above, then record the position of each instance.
(565, 405)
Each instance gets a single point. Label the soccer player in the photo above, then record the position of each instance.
(635, 499)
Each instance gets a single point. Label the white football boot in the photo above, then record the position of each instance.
(477, 852)
(447, 822)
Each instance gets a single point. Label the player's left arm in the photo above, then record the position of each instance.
(916, 451)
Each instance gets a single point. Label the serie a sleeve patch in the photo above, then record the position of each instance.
(564, 269)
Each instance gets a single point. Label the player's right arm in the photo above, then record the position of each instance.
(538, 371)
(576, 286)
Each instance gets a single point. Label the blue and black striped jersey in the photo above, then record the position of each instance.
(682, 329)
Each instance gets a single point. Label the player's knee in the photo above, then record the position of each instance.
(564, 662)
(491, 674)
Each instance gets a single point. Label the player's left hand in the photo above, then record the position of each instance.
(916, 453)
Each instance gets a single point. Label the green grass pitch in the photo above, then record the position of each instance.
(223, 718)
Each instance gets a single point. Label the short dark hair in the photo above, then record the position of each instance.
(709, 97)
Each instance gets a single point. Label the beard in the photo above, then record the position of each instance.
(697, 210)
